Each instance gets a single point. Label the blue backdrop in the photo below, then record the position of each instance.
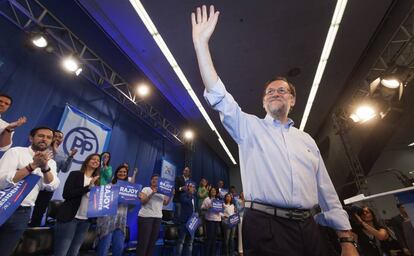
(40, 90)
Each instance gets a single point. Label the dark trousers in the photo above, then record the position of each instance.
(42, 201)
(265, 234)
(228, 239)
(211, 230)
(12, 230)
(148, 229)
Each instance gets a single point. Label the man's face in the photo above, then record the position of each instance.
(4, 104)
(220, 184)
(58, 138)
(41, 140)
(186, 172)
(278, 98)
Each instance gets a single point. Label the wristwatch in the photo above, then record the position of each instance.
(45, 170)
(347, 239)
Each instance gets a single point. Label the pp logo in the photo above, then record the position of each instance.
(84, 140)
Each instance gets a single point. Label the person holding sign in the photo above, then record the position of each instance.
(15, 165)
(187, 201)
(72, 222)
(212, 220)
(282, 170)
(112, 229)
(149, 217)
(228, 229)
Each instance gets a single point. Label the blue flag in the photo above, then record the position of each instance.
(103, 201)
(223, 192)
(12, 197)
(192, 224)
(216, 205)
(165, 186)
(129, 192)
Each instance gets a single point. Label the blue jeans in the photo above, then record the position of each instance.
(185, 238)
(12, 230)
(69, 236)
(228, 243)
(117, 237)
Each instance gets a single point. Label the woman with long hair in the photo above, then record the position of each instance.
(149, 217)
(370, 234)
(106, 169)
(72, 222)
(228, 210)
(112, 229)
(212, 220)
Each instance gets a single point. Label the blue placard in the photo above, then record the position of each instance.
(12, 197)
(103, 201)
(165, 186)
(233, 220)
(129, 192)
(193, 223)
(216, 205)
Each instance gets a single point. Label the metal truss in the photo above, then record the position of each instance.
(31, 15)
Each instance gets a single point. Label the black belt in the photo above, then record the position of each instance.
(292, 214)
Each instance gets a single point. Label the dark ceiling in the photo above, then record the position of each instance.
(253, 41)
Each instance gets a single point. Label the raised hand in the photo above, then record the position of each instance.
(40, 159)
(73, 152)
(93, 180)
(203, 24)
(19, 122)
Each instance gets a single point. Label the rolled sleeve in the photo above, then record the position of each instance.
(52, 186)
(216, 94)
(5, 148)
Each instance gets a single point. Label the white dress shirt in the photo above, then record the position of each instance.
(279, 164)
(3, 125)
(17, 158)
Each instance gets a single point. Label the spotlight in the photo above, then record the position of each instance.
(363, 113)
(39, 41)
(70, 64)
(188, 134)
(143, 90)
(387, 87)
(78, 71)
(391, 82)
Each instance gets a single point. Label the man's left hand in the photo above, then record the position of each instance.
(73, 152)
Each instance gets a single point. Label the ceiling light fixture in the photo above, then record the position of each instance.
(188, 135)
(363, 113)
(143, 90)
(39, 41)
(70, 64)
(333, 29)
(142, 13)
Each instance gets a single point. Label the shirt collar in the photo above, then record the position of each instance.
(269, 119)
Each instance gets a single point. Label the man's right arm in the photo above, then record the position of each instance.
(203, 27)
(9, 176)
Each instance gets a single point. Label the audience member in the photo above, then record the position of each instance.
(212, 220)
(106, 169)
(149, 217)
(187, 201)
(239, 202)
(404, 230)
(228, 232)
(111, 230)
(16, 164)
(180, 186)
(370, 233)
(63, 164)
(72, 222)
(7, 129)
(202, 192)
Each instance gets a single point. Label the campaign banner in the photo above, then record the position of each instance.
(216, 205)
(103, 201)
(165, 186)
(84, 133)
(233, 220)
(129, 192)
(193, 223)
(12, 197)
(168, 171)
(223, 192)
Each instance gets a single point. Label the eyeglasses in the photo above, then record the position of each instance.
(280, 90)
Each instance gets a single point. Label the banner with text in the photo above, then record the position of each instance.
(103, 201)
(129, 192)
(165, 186)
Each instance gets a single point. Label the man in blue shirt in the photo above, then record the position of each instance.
(282, 171)
(187, 200)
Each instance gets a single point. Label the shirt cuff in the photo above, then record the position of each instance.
(6, 180)
(337, 219)
(215, 94)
